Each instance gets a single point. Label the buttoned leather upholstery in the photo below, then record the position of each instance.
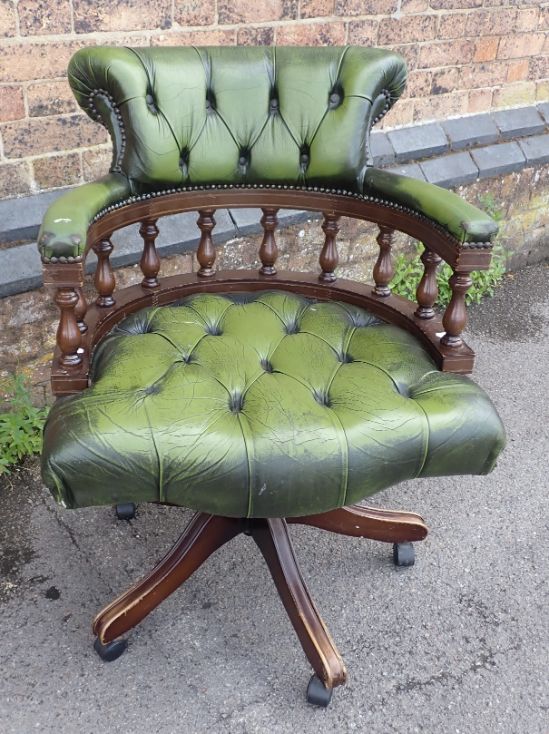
(201, 116)
(262, 405)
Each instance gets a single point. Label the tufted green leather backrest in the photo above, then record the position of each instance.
(199, 115)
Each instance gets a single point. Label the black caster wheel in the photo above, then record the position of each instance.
(403, 554)
(317, 693)
(111, 650)
(125, 511)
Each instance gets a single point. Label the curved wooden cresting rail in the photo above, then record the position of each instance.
(82, 325)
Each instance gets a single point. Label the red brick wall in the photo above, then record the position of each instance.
(464, 56)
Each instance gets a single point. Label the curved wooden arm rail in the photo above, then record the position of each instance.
(441, 339)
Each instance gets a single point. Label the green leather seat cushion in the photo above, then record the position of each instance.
(262, 405)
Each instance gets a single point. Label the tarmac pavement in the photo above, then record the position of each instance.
(458, 644)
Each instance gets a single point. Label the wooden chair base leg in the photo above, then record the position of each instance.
(274, 543)
(204, 534)
(389, 526)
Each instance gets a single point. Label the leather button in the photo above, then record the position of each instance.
(242, 160)
(304, 159)
(273, 105)
(344, 358)
(266, 365)
(335, 99)
(322, 398)
(236, 402)
(149, 99)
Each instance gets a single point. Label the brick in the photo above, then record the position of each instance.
(410, 54)
(412, 170)
(495, 160)
(50, 98)
(517, 70)
(522, 93)
(472, 130)
(263, 36)
(15, 179)
(451, 170)
(536, 149)
(542, 90)
(527, 19)
(452, 25)
(495, 22)
(445, 80)
(518, 122)
(381, 150)
(483, 75)
(12, 105)
(49, 134)
(520, 44)
(446, 53)
(244, 11)
(440, 106)
(8, 21)
(214, 37)
(456, 4)
(364, 7)
(419, 83)
(314, 34)
(486, 48)
(479, 100)
(22, 60)
(57, 170)
(538, 68)
(96, 162)
(194, 12)
(401, 114)
(121, 15)
(419, 141)
(414, 6)
(363, 32)
(316, 8)
(37, 17)
(407, 29)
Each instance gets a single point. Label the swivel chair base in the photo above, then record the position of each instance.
(206, 533)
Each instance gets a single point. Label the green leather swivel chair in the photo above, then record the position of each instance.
(257, 399)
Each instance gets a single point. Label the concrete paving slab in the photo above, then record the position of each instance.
(458, 644)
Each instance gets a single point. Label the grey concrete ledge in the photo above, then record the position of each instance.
(427, 152)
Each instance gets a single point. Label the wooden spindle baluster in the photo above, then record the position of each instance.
(383, 269)
(68, 337)
(80, 310)
(328, 257)
(427, 290)
(104, 278)
(268, 252)
(206, 250)
(150, 262)
(455, 316)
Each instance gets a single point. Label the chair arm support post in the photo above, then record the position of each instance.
(206, 250)
(329, 256)
(104, 277)
(427, 290)
(68, 336)
(150, 262)
(383, 269)
(455, 316)
(268, 251)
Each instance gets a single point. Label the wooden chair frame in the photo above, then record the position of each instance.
(82, 326)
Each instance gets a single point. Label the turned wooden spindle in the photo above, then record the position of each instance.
(268, 252)
(150, 262)
(206, 250)
(455, 316)
(80, 310)
(383, 269)
(68, 337)
(328, 257)
(427, 290)
(104, 278)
